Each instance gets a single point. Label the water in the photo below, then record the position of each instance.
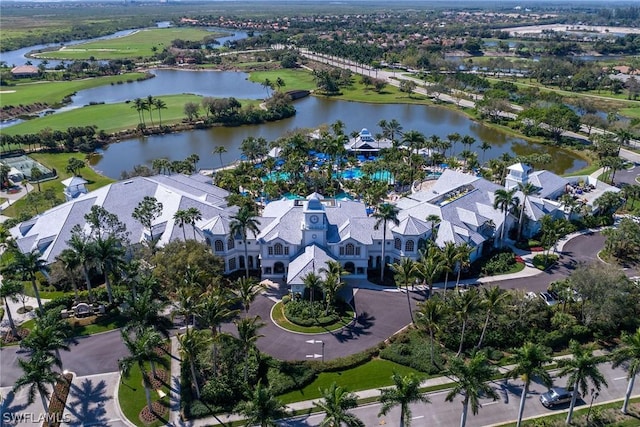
(311, 113)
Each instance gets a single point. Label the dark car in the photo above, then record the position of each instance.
(555, 396)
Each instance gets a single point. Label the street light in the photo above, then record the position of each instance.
(316, 356)
(594, 396)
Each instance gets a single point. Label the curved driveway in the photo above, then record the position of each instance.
(380, 313)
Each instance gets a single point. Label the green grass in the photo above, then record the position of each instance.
(374, 374)
(59, 162)
(104, 323)
(277, 312)
(52, 92)
(136, 45)
(132, 398)
(631, 112)
(588, 170)
(293, 79)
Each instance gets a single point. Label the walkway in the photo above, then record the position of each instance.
(12, 198)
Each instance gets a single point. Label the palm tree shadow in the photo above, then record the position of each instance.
(6, 409)
(174, 403)
(363, 322)
(87, 403)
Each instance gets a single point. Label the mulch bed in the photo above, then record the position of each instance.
(161, 378)
(58, 400)
(160, 410)
(163, 350)
(9, 338)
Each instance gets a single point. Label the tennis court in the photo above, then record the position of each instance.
(24, 164)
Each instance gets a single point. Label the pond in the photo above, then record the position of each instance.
(311, 113)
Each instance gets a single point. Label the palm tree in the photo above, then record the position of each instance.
(470, 380)
(430, 315)
(137, 105)
(37, 375)
(450, 255)
(83, 250)
(406, 391)
(629, 354)
(527, 190)
(492, 300)
(48, 336)
(248, 335)
(261, 408)
(430, 266)
(484, 147)
(142, 350)
(580, 369)
(160, 105)
(335, 403)
(220, 150)
(454, 138)
(464, 305)
(148, 106)
(192, 343)
(28, 264)
(144, 312)
(529, 361)
(108, 255)
(434, 220)
(333, 281)
(70, 264)
(246, 289)
(312, 282)
(405, 275)
(212, 311)
(506, 201)
(386, 213)
(193, 215)
(9, 289)
(182, 218)
(241, 224)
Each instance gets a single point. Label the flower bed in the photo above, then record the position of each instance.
(58, 401)
(9, 338)
(158, 412)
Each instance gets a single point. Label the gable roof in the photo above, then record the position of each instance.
(311, 260)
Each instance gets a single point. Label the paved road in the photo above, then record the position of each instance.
(442, 413)
(629, 176)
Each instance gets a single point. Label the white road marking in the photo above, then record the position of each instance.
(620, 378)
(418, 417)
(490, 403)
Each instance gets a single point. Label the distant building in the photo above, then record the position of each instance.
(25, 71)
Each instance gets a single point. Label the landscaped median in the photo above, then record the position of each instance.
(331, 324)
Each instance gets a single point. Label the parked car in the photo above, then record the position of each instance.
(548, 298)
(555, 396)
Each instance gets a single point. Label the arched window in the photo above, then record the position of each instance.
(278, 268)
(409, 246)
(350, 249)
(218, 246)
(397, 243)
(277, 249)
(350, 267)
(230, 244)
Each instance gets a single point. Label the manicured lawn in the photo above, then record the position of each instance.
(104, 323)
(52, 92)
(374, 374)
(132, 398)
(631, 112)
(59, 162)
(136, 45)
(585, 171)
(279, 317)
(293, 79)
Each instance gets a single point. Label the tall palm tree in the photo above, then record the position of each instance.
(28, 264)
(492, 299)
(333, 281)
(241, 224)
(470, 380)
(529, 361)
(453, 138)
(484, 147)
(48, 336)
(385, 213)
(9, 289)
(430, 315)
(312, 282)
(261, 408)
(83, 249)
(220, 150)
(527, 190)
(182, 218)
(434, 220)
(248, 335)
(450, 255)
(109, 256)
(212, 311)
(430, 265)
(193, 215)
(581, 368)
(336, 402)
(142, 350)
(246, 289)
(37, 376)
(506, 201)
(628, 354)
(406, 390)
(71, 264)
(464, 305)
(149, 104)
(192, 343)
(144, 312)
(160, 105)
(405, 275)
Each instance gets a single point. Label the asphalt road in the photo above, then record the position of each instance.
(442, 413)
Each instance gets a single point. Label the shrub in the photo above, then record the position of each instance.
(543, 261)
(412, 349)
(286, 299)
(285, 376)
(348, 362)
(301, 313)
(499, 263)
